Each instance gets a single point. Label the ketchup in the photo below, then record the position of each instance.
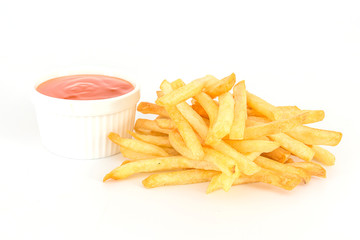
(85, 87)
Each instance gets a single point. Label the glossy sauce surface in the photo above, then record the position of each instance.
(85, 87)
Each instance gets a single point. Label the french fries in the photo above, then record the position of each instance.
(235, 139)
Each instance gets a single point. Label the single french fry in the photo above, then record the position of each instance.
(157, 164)
(187, 133)
(279, 126)
(310, 168)
(178, 178)
(137, 145)
(285, 112)
(223, 122)
(294, 146)
(130, 154)
(146, 124)
(223, 181)
(280, 154)
(156, 140)
(151, 108)
(240, 111)
(209, 106)
(217, 88)
(166, 123)
(313, 136)
(182, 93)
(262, 107)
(247, 146)
(245, 165)
(286, 170)
(323, 156)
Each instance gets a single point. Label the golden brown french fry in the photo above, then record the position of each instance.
(246, 146)
(294, 146)
(209, 106)
(310, 168)
(137, 145)
(262, 107)
(314, 136)
(159, 94)
(199, 109)
(223, 181)
(171, 151)
(157, 164)
(281, 155)
(178, 178)
(224, 119)
(279, 126)
(324, 156)
(146, 124)
(151, 108)
(130, 154)
(218, 88)
(166, 123)
(240, 112)
(183, 93)
(245, 165)
(286, 170)
(162, 141)
(187, 133)
(290, 160)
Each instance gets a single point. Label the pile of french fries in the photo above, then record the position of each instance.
(223, 138)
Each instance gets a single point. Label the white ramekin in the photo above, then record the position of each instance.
(79, 128)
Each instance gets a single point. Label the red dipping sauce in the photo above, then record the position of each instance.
(85, 87)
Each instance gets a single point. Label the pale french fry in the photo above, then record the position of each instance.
(245, 165)
(151, 108)
(178, 178)
(209, 106)
(156, 140)
(179, 145)
(310, 168)
(177, 84)
(313, 136)
(295, 147)
(182, 93)
(279, 126)
(223, 181)
(217, 88)
(281, 155)
(262, 107)
(146, 124)
(240, 112)
(324, 156)
(225, 163)
(166, 123)
(137, 145)
(247, 146)
(286, 170)
(187, 133)
(157, 164)
(223, 122)
(194, 119)
(285, 112)
(130, 154)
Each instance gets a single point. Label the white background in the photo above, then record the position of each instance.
(303, 53)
